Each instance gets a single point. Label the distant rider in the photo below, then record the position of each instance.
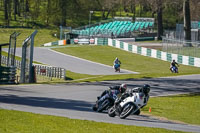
(117, 63)
(175, 65)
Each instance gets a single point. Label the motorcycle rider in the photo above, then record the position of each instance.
(144, 91)
(114, 92)
(175, 65)
(116, 63)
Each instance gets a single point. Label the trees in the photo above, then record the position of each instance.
(187, 19)
(75, 12)
(6, 11)
(159, 19)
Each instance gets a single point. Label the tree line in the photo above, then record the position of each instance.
(75, 13)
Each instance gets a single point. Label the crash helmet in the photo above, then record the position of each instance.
(146, 89)
(123, 88)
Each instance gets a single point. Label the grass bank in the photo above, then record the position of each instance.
(16, 121)
(43, 35)
(184, 108)
(146, 66)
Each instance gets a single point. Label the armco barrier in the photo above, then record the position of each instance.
(181, 59)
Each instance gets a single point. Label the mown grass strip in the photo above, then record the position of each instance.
(23, 122)
(185, 108)
(146, 66)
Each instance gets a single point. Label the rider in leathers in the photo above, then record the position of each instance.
(144, 91)
(113, 92)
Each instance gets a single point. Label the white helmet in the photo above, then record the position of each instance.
(123, 88)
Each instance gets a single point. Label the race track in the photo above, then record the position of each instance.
(75, 100)
(74, 64)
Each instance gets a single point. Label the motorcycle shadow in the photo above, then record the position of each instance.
(149, 119)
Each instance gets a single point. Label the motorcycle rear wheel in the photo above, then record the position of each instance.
(127, 110)
(104, 105)
(94, 108)
(111, 112)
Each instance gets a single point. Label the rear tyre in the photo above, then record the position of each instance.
(103, 105)
(111, 112)
(94, 108)
(127, 110)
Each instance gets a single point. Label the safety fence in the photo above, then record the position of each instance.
(181, 59)
(188, 48)
(50, 71)
(43, 70)
(162, 55)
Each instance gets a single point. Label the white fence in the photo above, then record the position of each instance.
(43, 70)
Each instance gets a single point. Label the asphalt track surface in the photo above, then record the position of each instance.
(74, 64)
(75, 100)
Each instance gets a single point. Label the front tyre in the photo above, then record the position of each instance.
(111, 112)
(127, 110)
(137, 112)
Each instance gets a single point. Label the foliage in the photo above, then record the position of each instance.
(74, 13)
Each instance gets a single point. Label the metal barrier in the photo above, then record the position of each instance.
(27, 70)
(7, 74)
(43, 70)
(50, 71)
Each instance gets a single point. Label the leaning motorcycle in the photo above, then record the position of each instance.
(104, 105)
(128, 106)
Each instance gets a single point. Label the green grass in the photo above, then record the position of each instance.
(16, 121)
(43, 35)
(185, 108)
(147, 67)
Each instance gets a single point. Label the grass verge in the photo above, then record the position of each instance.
(147, 67)
(43, 35)
(183, 108)
(16, 121)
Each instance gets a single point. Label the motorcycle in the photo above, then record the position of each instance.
(174, 69)
(130, 105)
(104, 105)
(117, 67)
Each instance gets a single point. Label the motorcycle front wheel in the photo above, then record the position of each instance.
(127, 110)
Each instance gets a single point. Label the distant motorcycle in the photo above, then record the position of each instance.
(117, 67)
(174, 69)
(105, 104)
(130, 105)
